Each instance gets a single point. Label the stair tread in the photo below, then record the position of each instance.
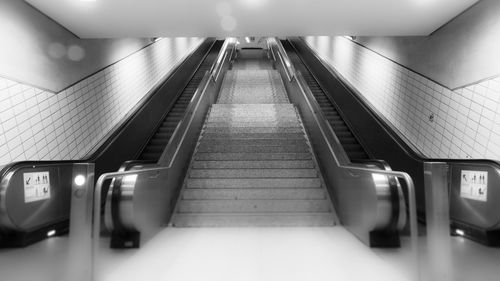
(238, 164)
(261, 219)
(254, 183)
(253, 194)
(253, 206)
(253, 173)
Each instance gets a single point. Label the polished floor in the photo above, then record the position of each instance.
(241, 254)
(251, 253)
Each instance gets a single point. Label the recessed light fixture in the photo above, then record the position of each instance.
(459, 232)
(79, 180)
(51, 233)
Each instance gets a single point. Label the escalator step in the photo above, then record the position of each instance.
(150, 156)
(154, 149)
(163, 135)
(341, 129)
(348, 141)
(170, 122)
(352, 147)
(166, 130)
(158, 141)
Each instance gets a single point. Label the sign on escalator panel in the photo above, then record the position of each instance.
(36, 186)
(474, 185)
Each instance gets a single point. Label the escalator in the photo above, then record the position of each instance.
(349, 141)
(155, 146)
(475, 219)
(23, 222)
(249, 155)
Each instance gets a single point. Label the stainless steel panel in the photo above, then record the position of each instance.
(148, 198)
(362, 198)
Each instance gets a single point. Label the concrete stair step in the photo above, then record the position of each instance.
(245, 119)
(294, 124)
(214, 156)
(253, 206)
(254, 194)
(242, 220)
(254, 136)
(254, 107)
(241, 113)
(249, 141)
(207, 147)
(253, 130)
(273, 164)
(253, 173)
(264, 100)
(254, 183)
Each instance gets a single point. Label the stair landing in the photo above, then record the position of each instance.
(253, 167)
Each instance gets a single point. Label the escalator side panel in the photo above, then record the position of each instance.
(372, 133)
(348, 140)
(156, 144)
(136, 132)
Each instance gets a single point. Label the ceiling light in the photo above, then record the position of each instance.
(79, 180)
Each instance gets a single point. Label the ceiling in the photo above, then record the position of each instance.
(165, 18)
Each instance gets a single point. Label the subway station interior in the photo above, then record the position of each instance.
(250, 140)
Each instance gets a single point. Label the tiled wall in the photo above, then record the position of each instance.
(39, 125)
(465, 123)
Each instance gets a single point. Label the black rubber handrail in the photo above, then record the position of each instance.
(177, 70)
(391, 131)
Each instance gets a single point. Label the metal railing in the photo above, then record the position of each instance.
(171, 152)
(289, 69)
(223, 54)
(354, 171)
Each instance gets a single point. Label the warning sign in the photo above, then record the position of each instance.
(474, 185)
(36, 186)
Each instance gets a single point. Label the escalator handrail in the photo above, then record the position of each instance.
(355, 171)
(221, 57)
(392, 132)
(160, 121)
(340, 151)
(172, 150)
(15, 166)
(288, 66)
(180, 131)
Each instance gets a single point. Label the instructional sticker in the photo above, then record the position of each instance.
(474, 185)
(36, 186)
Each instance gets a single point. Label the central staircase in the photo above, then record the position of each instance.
(253, 165)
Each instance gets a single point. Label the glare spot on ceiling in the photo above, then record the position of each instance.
(228, 23)
(223, 9)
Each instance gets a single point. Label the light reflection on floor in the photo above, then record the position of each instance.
(315, 253)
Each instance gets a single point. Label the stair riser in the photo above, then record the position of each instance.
(253, 164)
(252, 156)
(253, 130)
(253, 173)
(254, 183)
(247, 119)
(253, 142)
(252, 149)
(252, 221)
(254, 194)
(253, 206)
(253, 125)
(230, 136)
